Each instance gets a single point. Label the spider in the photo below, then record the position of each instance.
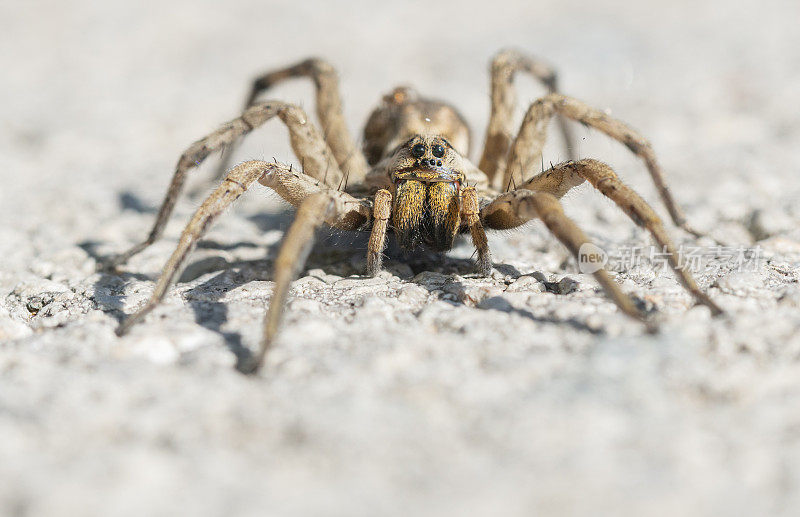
(413, 177)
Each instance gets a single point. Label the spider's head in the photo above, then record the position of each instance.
(429, 155)
(427, 174)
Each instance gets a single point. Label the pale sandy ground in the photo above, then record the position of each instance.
(427, 395)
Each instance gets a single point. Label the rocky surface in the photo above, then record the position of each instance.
(425, 391)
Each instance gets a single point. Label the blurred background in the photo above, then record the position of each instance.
(99, 98)
(106, 95)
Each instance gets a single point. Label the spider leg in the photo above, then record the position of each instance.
(499, 133)
(382, 209)
(239, 179)
(233, 186)
(471, 212)
(335, 208)
(306, 141)
(604, 179)
(519, 206)
(526, 150)
(329, 111)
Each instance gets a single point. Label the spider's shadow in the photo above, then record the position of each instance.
(462, 267)
(328, 254)
(129, 200)
(336, 252)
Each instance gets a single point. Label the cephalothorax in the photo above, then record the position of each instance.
(415, 178)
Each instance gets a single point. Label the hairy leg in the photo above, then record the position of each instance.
(380, 215)
(331, 207)
(499, 133)
(471, 214)
(329, 110)
(309, 146)
(561, 178)
(604, 179)
(235, 183)
(514, 208)
(526, 150)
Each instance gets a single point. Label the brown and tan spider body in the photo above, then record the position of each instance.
(413, 177)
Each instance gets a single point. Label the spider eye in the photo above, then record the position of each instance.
(438, 151)
(418, 151)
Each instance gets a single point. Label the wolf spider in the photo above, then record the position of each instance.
(414, 177)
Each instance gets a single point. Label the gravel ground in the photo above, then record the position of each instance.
(424, 391)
